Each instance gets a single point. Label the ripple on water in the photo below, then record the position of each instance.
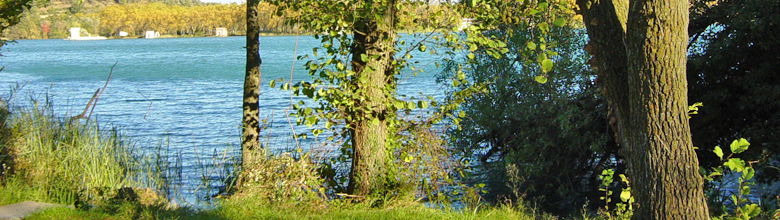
(184, 93)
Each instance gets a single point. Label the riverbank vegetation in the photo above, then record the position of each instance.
(46, 157)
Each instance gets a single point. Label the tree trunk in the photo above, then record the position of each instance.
(642, 72)
(250, 124)
(375, 39)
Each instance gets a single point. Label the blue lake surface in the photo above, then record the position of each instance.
(185, 92)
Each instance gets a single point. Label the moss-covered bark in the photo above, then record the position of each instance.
(639, 54)
(375, 40)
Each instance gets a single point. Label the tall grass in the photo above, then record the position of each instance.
(48, 158)
(56, 159)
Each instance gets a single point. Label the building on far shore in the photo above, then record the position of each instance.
(221, 32)
(151, 34)
(75, 34)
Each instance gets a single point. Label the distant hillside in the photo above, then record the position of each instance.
(53, 18)
(87, 6)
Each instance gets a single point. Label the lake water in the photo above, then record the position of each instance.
(183, 91)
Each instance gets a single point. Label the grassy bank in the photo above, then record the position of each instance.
(252, 211)
(50, 158)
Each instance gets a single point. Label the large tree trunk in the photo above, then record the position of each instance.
(250, 127)
(642, 72)
(372, 38)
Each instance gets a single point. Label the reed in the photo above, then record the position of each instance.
(55, 159)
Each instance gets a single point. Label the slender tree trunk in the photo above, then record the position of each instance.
(250, 123)
(639, 53)
(373, 38)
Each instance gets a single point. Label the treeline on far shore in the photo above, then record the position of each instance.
(174, 20)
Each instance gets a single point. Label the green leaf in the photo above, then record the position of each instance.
(559, 22)
(408, 159)
(422, 104)
(272, 84)
(461, 114)
(735, 164)
(398, 104)
(410, 105)
(363, 57)
(625, 195)
(544, 27)
(547, 65)
(745, 190)
(623, 179)
(471, 56)
(541, 79)
(748, 174)
(375, 121)
(695, 107)
(718, 152)
(739, 146)
(531, 46)
(421, 48)
(752, 210)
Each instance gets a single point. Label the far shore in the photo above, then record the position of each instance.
(172, 36)
(190, 36)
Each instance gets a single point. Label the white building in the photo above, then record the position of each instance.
(221, 32)
(151, 34)
(75, 32)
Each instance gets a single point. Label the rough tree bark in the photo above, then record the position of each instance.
(374, 38)
(639, 53)
(250, 123)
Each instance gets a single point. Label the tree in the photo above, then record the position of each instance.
(639, 53)
(354, 78)
(362, 95)
(373, 37)
(10, 14)
(555, 134)
(250, 128)
(732, 70)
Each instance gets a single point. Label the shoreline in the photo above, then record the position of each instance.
(167, 36)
